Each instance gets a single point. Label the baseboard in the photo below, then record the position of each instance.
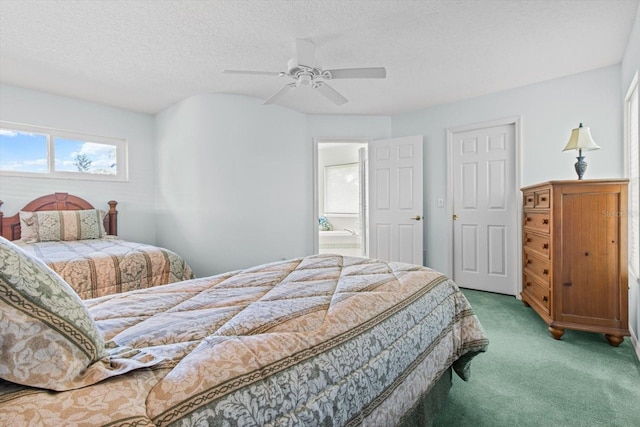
(636, 344)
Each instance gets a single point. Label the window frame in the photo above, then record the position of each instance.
(634, 179)
(327, 187)
(121, 145)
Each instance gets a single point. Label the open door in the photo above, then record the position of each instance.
(395, 200)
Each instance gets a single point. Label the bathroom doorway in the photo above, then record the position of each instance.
(341, 200)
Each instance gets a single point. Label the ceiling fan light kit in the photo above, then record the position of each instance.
(304, 72)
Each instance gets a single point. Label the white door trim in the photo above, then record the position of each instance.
(517, 122)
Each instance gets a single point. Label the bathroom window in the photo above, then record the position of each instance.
(34, 151)
(342, 189)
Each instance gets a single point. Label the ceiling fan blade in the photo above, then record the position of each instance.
(359, 73)
(305, 52)
(279, 94)
(330, 93)
(263, 73)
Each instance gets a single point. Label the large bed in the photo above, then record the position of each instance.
(323, 340)
(79, 243)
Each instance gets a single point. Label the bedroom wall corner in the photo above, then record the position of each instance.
(135, 197)
(232, 187)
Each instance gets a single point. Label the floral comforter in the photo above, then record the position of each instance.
(98, 267)
(321, 340)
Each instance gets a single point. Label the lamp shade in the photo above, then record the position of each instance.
(581, 140)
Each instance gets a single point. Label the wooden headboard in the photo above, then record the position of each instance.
(10, 226)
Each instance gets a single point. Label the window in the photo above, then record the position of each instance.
(34, 151)
(633, 154)
(342, 189)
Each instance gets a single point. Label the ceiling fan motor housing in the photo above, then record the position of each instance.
(303, 74)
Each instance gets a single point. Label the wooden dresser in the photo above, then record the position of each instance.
(574, 256)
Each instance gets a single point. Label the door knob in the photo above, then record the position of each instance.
(416, 218)
(455, 217)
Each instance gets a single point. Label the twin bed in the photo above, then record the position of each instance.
(317, 340)
(79, 243)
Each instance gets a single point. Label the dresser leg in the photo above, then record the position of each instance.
(614, 340)
(556, 333)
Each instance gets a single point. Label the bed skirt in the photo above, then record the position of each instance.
(426, 410)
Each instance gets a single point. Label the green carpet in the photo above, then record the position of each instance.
(527, 378)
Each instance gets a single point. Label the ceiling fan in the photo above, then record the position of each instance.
(303, 71)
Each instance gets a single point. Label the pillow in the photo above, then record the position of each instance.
(47, 336)
(43, 226)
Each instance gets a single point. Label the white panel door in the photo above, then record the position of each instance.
(395, 199)
(485, 210)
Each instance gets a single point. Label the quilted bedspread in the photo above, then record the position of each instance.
(320, 340)
(99, 267)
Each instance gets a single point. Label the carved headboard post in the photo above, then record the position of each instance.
(113, 218)
(60, 201)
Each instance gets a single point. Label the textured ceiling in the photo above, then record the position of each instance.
(147, 55)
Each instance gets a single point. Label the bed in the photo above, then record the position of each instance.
(79, 242)
(319, 340)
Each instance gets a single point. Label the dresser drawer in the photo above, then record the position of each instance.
(536, 294)
(538, 268)
(537, 221)
(537, 199)
(529, 199)
(540, 244)
(542, 199)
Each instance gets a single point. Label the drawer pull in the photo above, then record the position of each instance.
(545, 246)
(527, 284)
(528, 240)
(528, 219)
(544, 199)
(528, 261)
(544, 298)
(566, 284)
(545, 221)
(545, 272)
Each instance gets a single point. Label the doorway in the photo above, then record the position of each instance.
(380, 216)
(341, 198)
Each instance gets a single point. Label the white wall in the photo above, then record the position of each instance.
(235, 178)
(327, 127)
(135, 197)
(234, 182)
(630, 66)
(549, 111)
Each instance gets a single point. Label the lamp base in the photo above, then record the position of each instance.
(581, 166)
